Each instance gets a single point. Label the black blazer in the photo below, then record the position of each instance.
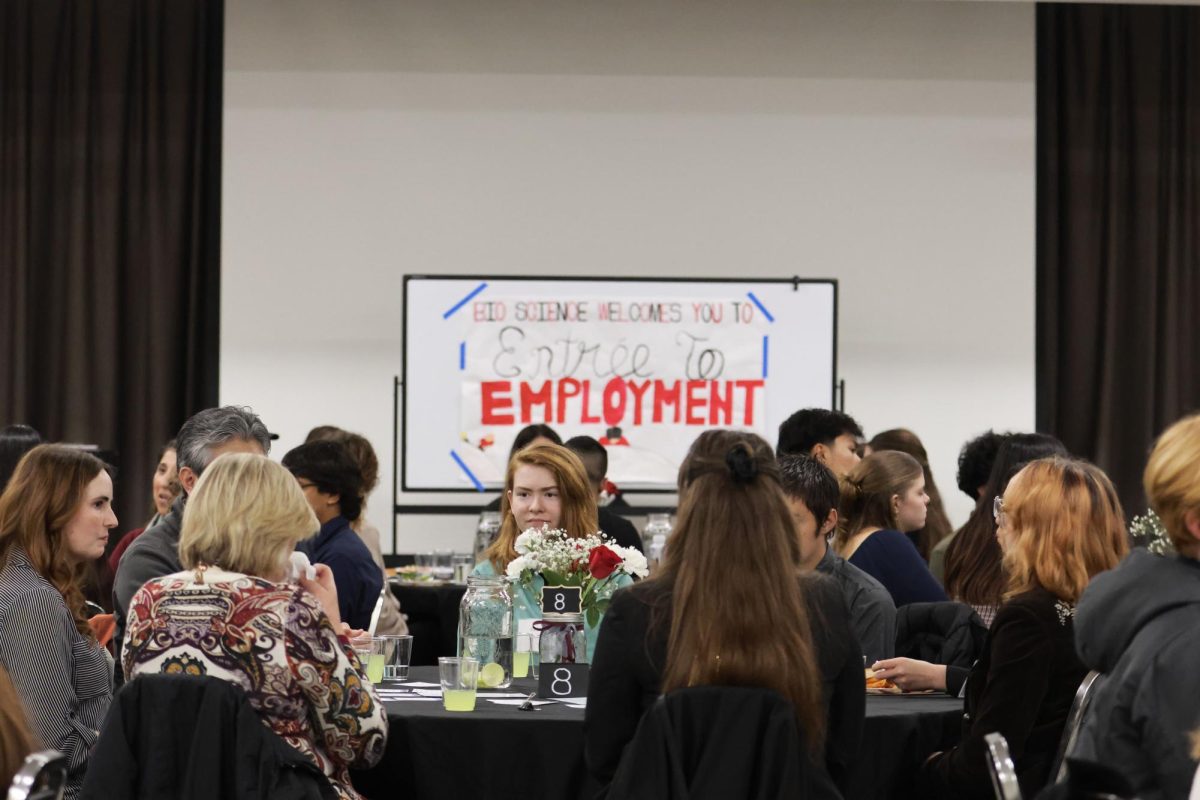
(1021, 687)
(629, 659)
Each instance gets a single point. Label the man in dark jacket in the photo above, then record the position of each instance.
(1139, 625)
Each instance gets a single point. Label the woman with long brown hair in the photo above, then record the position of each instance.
(1059, 524)
(974, 573)
(883, 498)
(55, 517)
(545, 486)
(729, 608)
(937, 525)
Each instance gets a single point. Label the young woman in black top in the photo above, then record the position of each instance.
(730, 608)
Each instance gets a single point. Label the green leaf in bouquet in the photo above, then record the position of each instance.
(554, 578)
(593, 616)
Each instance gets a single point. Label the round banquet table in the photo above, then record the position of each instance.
(500, 752)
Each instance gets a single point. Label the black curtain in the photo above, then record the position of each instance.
(1118, 229)
(110, 182)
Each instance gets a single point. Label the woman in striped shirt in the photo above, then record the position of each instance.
(55, 516)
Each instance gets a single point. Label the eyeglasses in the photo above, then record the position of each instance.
(998, 512)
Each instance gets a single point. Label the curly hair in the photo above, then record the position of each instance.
(809, 427)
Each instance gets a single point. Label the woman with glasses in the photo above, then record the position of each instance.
(973, 573)
(1058, 524)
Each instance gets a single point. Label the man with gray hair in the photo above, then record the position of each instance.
(207, 434)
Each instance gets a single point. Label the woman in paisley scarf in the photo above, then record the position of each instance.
(235, 614)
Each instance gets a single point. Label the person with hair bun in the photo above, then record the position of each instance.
(235, 614)
(1059, 524)
(882, 499)
(545, 486)
(55, 518)
(333, 485)
(731, 607)
(1140, 626)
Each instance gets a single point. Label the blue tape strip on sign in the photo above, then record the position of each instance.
(463, 466)
(464, 301)
(766, 350)
(761, 307)
(462, 356)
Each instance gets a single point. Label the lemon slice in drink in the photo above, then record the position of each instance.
(491, 675)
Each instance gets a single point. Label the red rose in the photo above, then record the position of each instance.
(602, 562)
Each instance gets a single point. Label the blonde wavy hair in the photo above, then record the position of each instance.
(1067, 526)
(1172, 480)
(246, 515)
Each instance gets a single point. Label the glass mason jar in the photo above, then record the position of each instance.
(486, 532)
(655, 524)
(485, 629)
(563, 640)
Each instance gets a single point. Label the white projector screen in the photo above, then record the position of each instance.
(643, 365)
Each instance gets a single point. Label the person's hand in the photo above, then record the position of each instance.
(357, 636)
(911, 675)
(325, 590)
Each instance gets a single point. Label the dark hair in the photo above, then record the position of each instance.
(810, 482)
(213, 427)
(975, 462)
(809, 427)
(735, 537)
(937, 524)
(15, 441)
(592, 454)
(329, 465)
(974, 568)
(531, 432)
(360, 450)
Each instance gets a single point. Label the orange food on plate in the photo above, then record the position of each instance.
(880, 685)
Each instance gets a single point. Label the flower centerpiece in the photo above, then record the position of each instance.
(1149, 532)
(592, 563)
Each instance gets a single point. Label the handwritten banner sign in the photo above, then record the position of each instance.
(638, 374)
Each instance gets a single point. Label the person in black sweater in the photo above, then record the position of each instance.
(730, 607)
(595, 461)
(1059, 523)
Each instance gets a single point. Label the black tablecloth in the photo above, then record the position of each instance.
(432, 612)
(499, 752)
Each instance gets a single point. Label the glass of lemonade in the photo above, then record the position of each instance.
(525, 655)
(459, 680)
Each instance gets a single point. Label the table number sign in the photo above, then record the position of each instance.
(561, 600)
(558, 681)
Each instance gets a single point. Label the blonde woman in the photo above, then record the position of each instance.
(1059, 523)
(1140, 626)
(243, 520)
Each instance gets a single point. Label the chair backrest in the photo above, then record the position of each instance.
(378, 610)
(43, 776)
(1000, 767)
(1079, 707)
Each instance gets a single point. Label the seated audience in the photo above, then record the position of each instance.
(16, 740)
(812, 495)
(55, 518)
(730, 607)
(391, 621)
(15, 441)
(974, 574)
(882, 499)
(545, 486)
(234, 614)
(595, 461)
(164, 488)
(974, 466)
(333, 486)
(937, 524)
(206, 435)
(1140, 626)
(1059, 524)
(830, 437)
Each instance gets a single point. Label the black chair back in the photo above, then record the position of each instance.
(1079, 706)
(43, 776)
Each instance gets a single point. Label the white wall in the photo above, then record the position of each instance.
(888, 145)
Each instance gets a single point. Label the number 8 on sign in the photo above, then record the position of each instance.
(561, 676)
(560, 601)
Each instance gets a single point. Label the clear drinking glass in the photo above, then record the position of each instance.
(462, 564)
(655, 524)
(459, 677)
(393, 654)
(525, 656)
